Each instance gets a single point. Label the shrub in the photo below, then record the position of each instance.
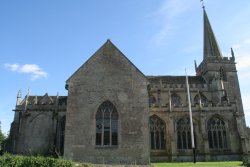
(8, 160)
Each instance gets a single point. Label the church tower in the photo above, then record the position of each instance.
(221, 76)
(218, 71)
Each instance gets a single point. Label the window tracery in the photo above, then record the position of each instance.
(157, 131)
(176, 100)
(184, 134)
(200, 98)
(106, 125)
(217, 135)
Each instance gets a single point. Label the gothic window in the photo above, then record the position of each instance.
(106, 125)
(222, 74)
(175, 100)
(62, 132)
(217, 135)
(157, 131)
(184, 140)
(200, 97)
(159, 97)
(152, 100)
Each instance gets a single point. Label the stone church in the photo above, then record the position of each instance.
(115, 114)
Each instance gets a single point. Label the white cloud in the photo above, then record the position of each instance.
(34, 70)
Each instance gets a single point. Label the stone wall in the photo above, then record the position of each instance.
(107, 75)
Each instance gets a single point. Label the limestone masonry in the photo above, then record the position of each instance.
(115, 114)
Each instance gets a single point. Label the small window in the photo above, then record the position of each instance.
(106, 125)
(222, 74)
(152, 100)
(176, 100)
(200, 98)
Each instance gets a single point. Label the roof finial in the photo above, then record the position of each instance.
(202, 4)
(232, 53)
(195, 66)
(19, 97)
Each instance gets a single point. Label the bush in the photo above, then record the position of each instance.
(8, 160)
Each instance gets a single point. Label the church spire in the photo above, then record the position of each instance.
(211, 47)
(19, 98)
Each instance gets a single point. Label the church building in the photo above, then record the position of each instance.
(115, 114)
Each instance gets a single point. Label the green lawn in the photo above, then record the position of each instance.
(197, 164)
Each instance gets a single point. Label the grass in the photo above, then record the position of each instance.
(198, 164)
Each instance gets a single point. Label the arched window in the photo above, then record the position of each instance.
(106, 125)
(175, 100)
(157, 131)
(217, 135)
(152, 100)
(184, 134)
(200, 97)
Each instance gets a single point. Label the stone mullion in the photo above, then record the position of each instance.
(222, 137)
(212, 134)
(110, 128)
(217, 136)
(159, 139)
(102, 141)
(154, 140)
(182, 140)
(186, 139)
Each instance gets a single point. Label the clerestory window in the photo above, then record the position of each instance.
(200, 98)
(176, 100)
(106, 125)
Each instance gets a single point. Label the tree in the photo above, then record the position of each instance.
(2, 137)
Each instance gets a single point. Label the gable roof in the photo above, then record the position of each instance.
(108, 44)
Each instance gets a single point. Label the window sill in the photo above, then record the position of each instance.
(106, 147)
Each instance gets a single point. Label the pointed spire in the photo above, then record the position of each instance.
(211, 47)
(27, 99)
(19, 98)
(232, 53)
(35, 100)
(195, 65)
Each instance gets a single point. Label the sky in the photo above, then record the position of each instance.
(43, 42)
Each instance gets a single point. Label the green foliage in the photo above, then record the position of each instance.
(199, 164)
(8, 160)
(2, 137)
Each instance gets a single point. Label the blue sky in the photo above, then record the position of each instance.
(43, 42)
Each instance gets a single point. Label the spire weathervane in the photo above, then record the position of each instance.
(202, 4)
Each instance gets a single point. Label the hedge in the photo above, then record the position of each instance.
(8, 160)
